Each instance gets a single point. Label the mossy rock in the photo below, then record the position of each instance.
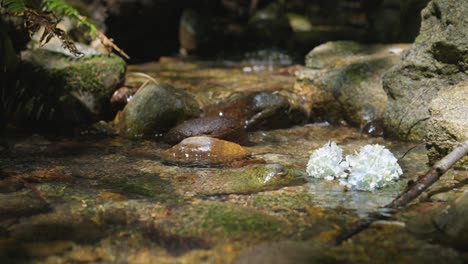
(219, 221)
(155, 109)
(55, 89)
(144, 185)
(250, 179)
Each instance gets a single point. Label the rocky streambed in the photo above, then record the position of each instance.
(137, 198)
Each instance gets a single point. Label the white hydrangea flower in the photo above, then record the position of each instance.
(325, 162)
(373, 167)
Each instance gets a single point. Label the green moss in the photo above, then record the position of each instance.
(259, 178)
(293, 201)
(90, 74)
(220, 221)
(232, 219)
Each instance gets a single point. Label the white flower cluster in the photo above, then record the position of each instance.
(373, 167)
(325, 162)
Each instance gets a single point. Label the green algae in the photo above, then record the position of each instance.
(216, 220)
(250, 179)
(90, 74)
(287, 201)
(265, 177)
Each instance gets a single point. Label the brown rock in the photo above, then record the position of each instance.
(213, 126)
(204, 151)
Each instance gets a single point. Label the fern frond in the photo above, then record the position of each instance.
(61, 8)
(15, 7)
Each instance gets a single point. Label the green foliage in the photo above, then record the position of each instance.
(61, 8)
(47, 15)
(14, 6)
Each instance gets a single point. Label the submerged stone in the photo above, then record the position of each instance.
(154, 109)
(213, 126)
(249, 179)
(260, 110)
(204, 151)
(220, 220)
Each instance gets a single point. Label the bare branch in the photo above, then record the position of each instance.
(431, 176)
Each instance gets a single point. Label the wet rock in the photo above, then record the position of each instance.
(453, 221)
(250, 179)
(448, 123)
(147, 185)
(219, 221)
(246, 180)
(344, 81)
(213, 126)
(122, 96)
(56, 90)
(374, 128)
(154, 109)
(283, 252)
(204, 151)
(260, 110)
(57, 225)
(436, 60)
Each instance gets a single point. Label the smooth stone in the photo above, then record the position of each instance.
(213, 126)
(261, 110)
(154, 109)
(204, 151)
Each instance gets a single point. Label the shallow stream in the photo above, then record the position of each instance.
(105, 199)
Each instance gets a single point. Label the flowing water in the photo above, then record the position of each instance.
(103, 199)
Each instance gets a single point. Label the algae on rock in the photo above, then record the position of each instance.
(55, 89)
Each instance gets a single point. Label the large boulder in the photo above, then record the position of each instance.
(343, 80)
(437, 60)
(55, 90)
(155, 109)
(448, 123)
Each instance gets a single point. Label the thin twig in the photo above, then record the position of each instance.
(434, 173)
(409, 150)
